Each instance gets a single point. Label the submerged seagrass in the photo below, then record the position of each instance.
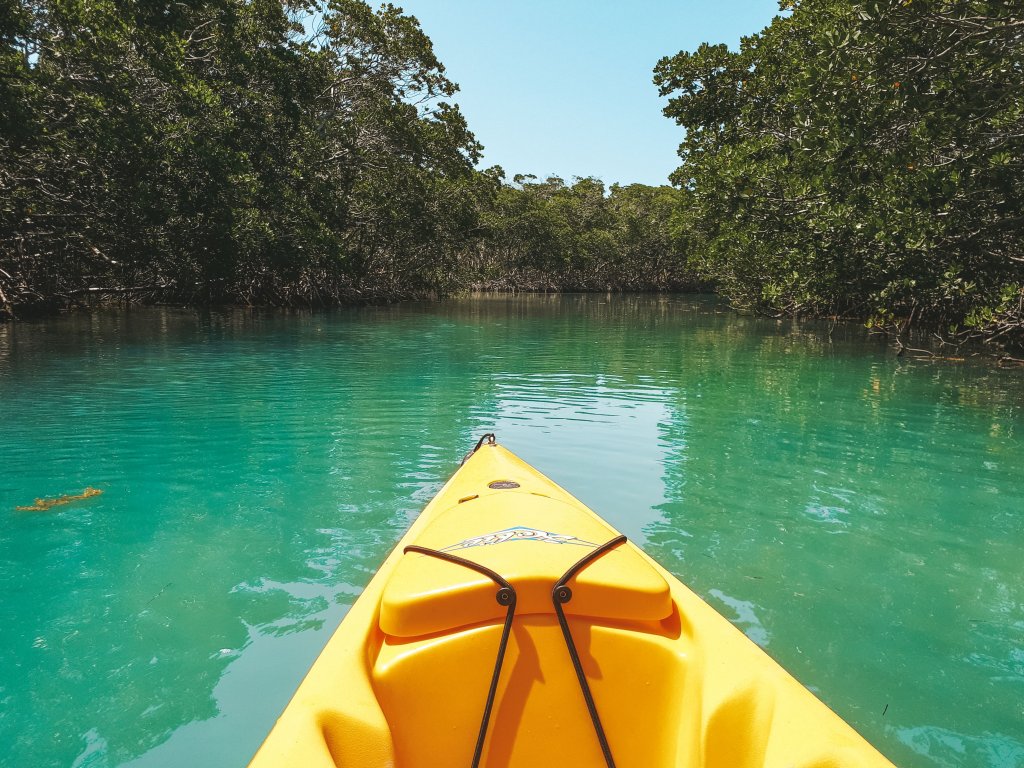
(499, 588)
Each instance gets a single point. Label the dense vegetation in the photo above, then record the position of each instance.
(214, 150)
(270, 152)
(862, 159)
(550, 235)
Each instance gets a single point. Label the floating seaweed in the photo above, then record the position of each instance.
(42, 505)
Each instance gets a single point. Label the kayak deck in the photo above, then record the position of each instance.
(435, 666)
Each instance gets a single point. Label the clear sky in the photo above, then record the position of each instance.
(563, 87)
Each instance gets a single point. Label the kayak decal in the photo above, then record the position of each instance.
(518, 533)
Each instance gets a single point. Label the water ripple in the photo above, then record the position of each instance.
(862, 514)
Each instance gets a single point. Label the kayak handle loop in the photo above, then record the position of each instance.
(488, 436)
(506, 595)
(560, 595)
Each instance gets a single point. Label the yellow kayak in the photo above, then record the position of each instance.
(512, 626)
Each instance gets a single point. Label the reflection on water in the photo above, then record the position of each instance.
(860, 517)
(743, 614)
(949, 748)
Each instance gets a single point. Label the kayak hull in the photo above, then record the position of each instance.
(405, 679)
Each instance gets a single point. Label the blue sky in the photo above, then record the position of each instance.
(564, 87)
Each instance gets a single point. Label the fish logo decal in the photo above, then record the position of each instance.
(518, 533)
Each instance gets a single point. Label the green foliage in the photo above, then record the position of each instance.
(214, 150)
(861, 158)
(554, 236)
(275, 152)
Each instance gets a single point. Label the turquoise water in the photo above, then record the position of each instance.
(858, 515)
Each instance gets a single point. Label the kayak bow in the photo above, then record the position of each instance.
(512, 626)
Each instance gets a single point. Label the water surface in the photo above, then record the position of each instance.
(859, 516)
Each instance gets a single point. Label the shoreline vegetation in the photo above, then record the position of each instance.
(852, 160)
